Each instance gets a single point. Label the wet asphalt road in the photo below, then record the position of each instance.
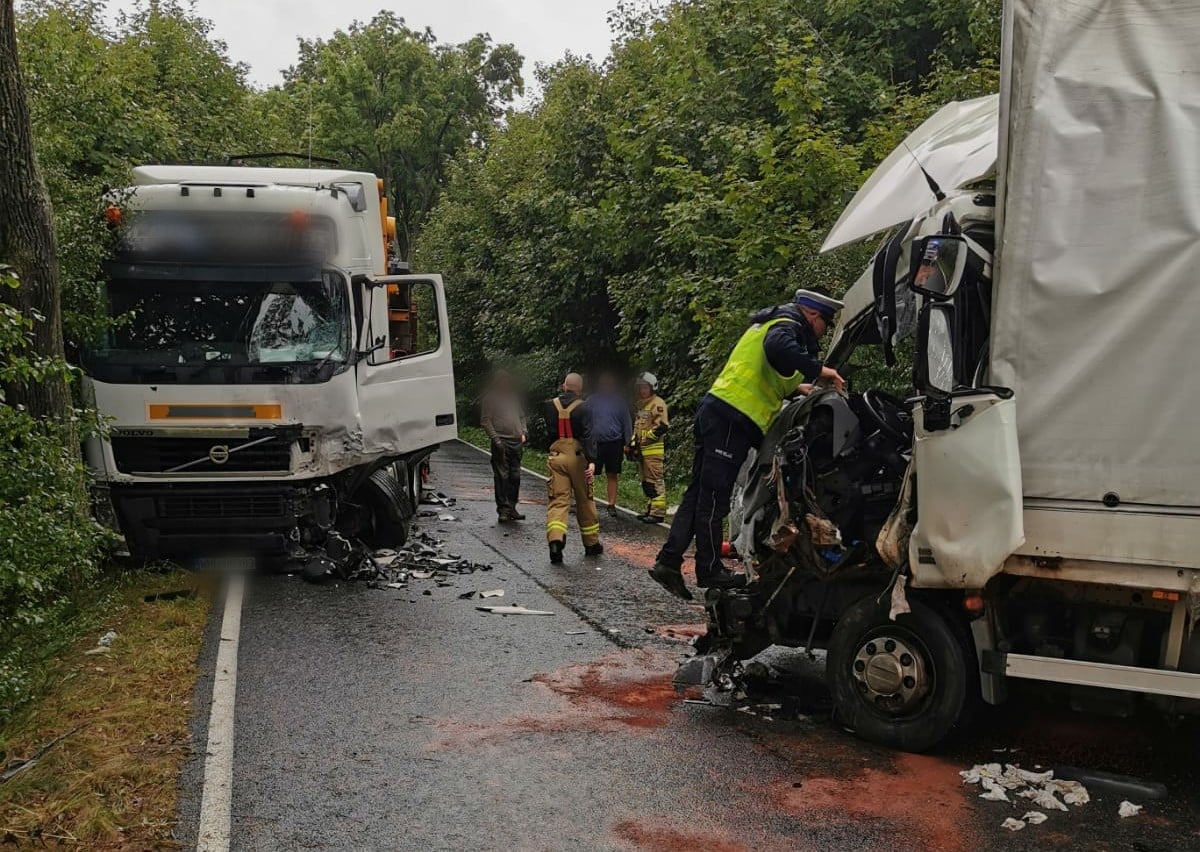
(405, 719)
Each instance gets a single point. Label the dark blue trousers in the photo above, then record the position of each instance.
(723, 439)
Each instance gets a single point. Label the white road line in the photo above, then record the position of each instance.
(216, 799)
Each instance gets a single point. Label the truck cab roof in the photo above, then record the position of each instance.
(247, 176)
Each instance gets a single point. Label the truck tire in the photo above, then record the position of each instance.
(908, 684)
(387, 513)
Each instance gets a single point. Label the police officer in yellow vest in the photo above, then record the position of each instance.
(772, 360)
(650, 425)
(572, 469)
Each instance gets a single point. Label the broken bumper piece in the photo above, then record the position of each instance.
(700, 670)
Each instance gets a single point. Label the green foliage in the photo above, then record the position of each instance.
(391, 100)
(642, 210)
(49, 545)
(154, 87)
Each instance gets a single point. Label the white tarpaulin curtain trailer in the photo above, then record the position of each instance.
(1097, 324)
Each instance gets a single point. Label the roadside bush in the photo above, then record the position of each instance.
(49, 544)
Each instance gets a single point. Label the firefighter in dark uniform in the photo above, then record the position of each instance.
(572, 470)
(771, 361)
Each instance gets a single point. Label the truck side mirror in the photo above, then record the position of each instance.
(939, 264)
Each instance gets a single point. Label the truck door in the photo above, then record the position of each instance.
(968, 471)
(406, 381)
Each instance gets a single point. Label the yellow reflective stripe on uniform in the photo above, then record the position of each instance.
(593, 529)
(556, 526)
(654, 450)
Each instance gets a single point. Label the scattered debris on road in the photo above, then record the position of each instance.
(424, 557)
(436, 498)
(512, 610)
(1040, 788)
(492, 593)
(1128, 809)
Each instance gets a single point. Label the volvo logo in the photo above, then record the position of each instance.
(218, 454)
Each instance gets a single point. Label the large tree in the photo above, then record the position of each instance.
(27, 242)
(392, 100)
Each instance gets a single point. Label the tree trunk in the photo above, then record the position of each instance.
(26, 232)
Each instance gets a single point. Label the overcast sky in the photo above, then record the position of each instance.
(263, 33)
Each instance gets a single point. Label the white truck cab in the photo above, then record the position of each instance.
(1032, 511)
(266, 387)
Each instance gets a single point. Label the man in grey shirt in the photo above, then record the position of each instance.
(503, 419)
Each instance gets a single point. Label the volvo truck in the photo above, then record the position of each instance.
(265, 387)
(1031, 510)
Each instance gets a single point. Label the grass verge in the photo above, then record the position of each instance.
(111, 781)
(629, 487)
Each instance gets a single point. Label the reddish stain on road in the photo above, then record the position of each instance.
(626, 690)
(681, 632)
(631, 687)
(661, 837)
(638, 553)
(922, 796)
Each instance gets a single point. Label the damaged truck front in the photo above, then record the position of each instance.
(1032, 510)
(266, 388)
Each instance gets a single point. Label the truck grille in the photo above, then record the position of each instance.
(162, 454)
(215, 506)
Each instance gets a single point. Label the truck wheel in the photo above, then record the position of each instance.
(907, 684)
(381, 513)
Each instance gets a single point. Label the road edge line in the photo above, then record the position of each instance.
(628, 513)
(216, 798)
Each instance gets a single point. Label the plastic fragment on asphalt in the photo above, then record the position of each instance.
(1012, 824)
(446, 516)
(1043, 798)
(1034, 818)
(396, 586)
(577, 633)
(492, 593)
(994, 791)
(1128, 809)
(1025, 775)
(512, 610)
(422, 575)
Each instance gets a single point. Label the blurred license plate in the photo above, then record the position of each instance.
(223, 564)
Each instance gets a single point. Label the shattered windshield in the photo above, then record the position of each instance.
(222, 323)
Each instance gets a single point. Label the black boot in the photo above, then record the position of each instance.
(514, 515)
(651, 519)
(670, 579)
(556, 552)
(593, 549)
(721, 579)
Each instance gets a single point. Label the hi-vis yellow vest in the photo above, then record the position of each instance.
(750, 384)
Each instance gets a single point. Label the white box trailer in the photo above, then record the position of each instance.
(266, 387)
(1034, 512)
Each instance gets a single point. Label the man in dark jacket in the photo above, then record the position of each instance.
(772, 360)
(572, 469)
(504, 422)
